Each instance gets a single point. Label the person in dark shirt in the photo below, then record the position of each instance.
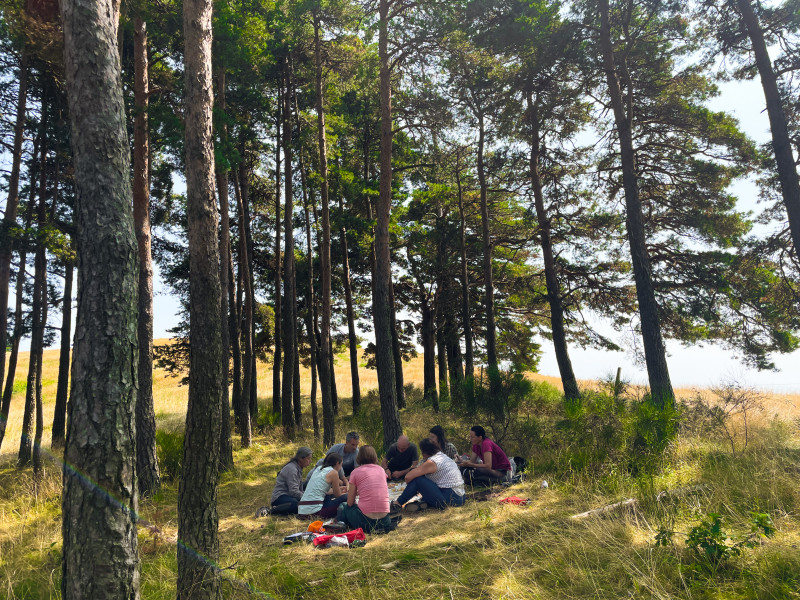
(400, 459)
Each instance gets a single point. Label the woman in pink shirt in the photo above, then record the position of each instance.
(494, 465)
(368, 482)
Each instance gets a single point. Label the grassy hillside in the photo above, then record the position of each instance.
(483, 550)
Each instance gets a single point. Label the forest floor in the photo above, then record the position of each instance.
(484, 550)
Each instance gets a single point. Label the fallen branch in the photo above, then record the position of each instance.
(605, 509)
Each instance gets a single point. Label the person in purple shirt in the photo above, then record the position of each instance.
(494, 465)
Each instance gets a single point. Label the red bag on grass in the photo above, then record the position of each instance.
(515, 500)
(355, 534)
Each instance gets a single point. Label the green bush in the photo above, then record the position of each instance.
(169, 450)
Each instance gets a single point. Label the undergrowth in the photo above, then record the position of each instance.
(699, 494)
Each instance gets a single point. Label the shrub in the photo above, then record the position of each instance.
(169, 451)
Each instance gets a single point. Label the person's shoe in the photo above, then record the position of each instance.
(395, 507)
(423, 505)
(263, 512)
(411, 507)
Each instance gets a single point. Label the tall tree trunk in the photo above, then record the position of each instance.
(148, 477)
(326, 361)
(62, 392)
(351, 321)
(18, 330)
(312, 302)
(276, 357)
(234, 326)
(244, 184)
(654, 352)
(781, 142)
(328, 408)
(245, 417)
(100, 556)
(465, 314)
(400, 393)
(10, 215)
(383, 270)
(38, 310)
(568, 380)
(488, 282)
(37, 439)
(429, 350)
(332, 375)
(288, 333)
(198, 576)
(226, 445)
(441, 354)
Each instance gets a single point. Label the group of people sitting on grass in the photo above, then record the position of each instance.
(350, 485)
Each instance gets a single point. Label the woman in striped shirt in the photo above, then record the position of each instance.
(438, 479)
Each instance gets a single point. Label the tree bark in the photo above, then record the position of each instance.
(400, 393)
(244, 184)
(12, 203)
(99, 502)
(429, 350)
(326, 372)
(465, 313)
(8, 390)
(276, 357)
(234, 325)
(781, 142)
(654, 352)
(312, 302)
(198, 576)
(351, 321)
(488, 282)
(288, 333)
(383, 271)
(441, 356)
(245, 417)
(38, 338)
(226, 446)
(38, 309)
(62, 392)
(148, 476)
(568, 380)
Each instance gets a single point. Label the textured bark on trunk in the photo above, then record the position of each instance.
(383, 271)
(198, 549)
(244, 184)
(441, 359)
(326, 372)
(149, 478)
(351, 321)
(332, 375)
(429, 352)
(99, 502)
(312, 302)
(654, 352)
(226, 445)
(488, 282)
(12, 203)
(288, 333)
(276, 357)
(37, 439)
(781, 142)
(465, 314)
(62, 392)
(245, 417)
(234, 321)
(8, 390)
(400, 393)
(38, 310)
(568, 380)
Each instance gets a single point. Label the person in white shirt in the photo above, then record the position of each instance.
(438, 479)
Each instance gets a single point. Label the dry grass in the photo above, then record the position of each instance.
(484, 550)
